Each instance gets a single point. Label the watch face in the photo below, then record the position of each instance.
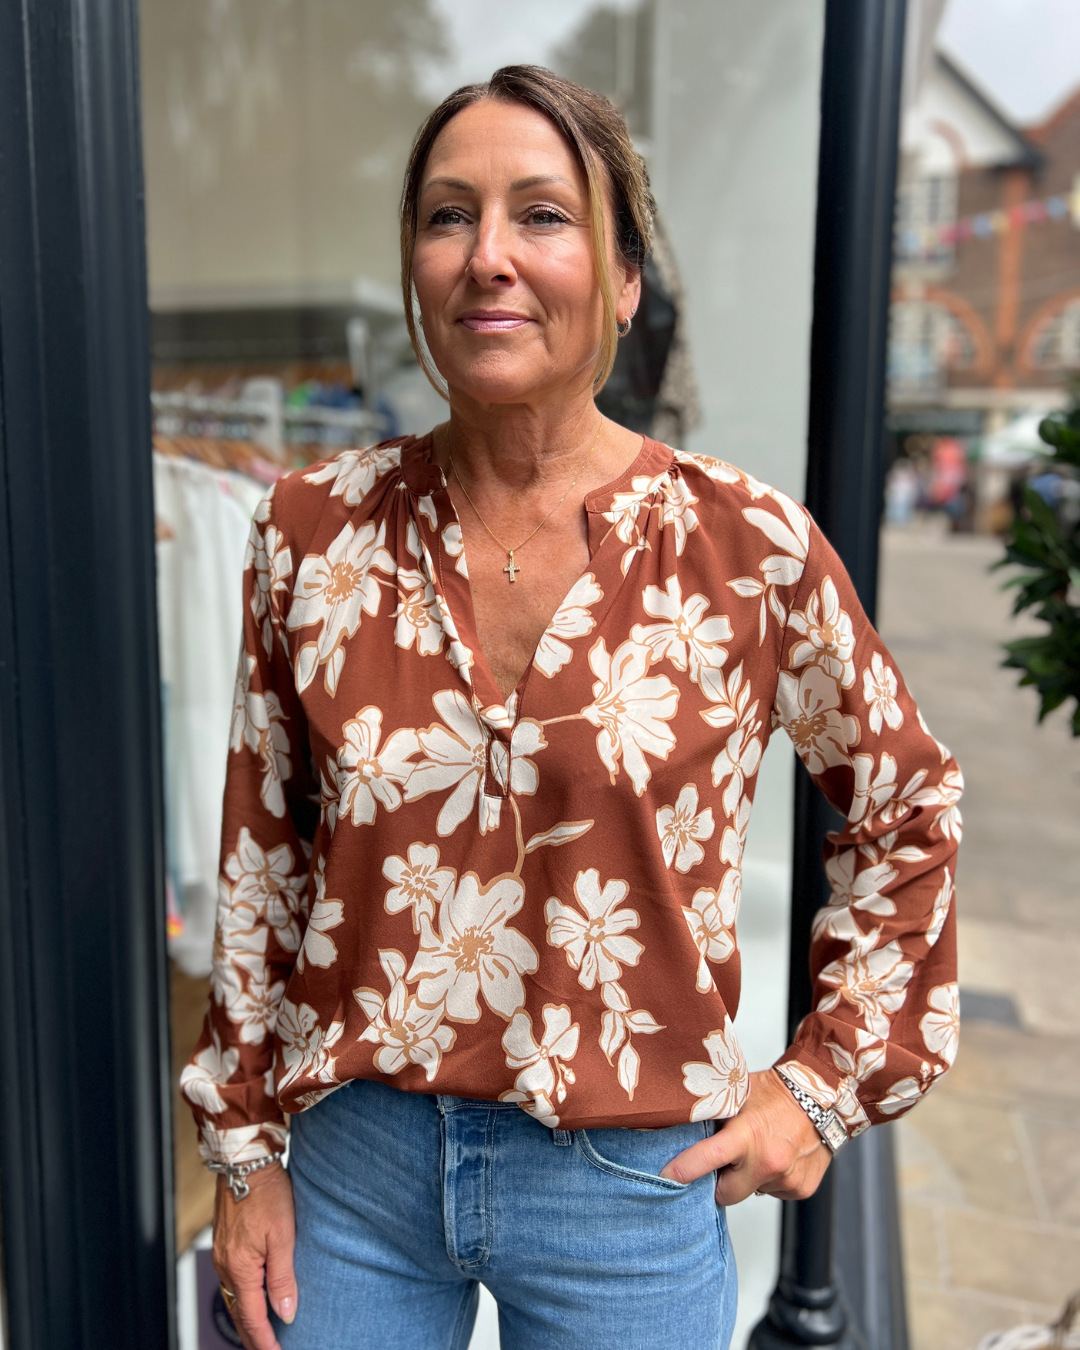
(833, 1132)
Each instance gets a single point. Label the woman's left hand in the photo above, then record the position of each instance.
(771, 1146)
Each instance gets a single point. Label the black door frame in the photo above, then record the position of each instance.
(85, 1139)
(85, 1127)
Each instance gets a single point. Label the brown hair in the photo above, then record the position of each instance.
(616, 174)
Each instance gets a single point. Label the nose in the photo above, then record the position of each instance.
(491, 260)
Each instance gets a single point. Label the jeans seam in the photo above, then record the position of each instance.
(602, 1164)
(489, 1187)
(457, 1341)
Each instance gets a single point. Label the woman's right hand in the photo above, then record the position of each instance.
(253, 1253)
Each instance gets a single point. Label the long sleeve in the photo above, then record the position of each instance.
(885, 1017)
(268, 825)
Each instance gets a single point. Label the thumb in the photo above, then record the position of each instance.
(280, 1277)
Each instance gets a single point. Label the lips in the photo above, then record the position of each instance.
(493, 320)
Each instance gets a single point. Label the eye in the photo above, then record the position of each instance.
(447, 215)
(544, 215)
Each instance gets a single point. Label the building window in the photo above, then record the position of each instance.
(923, 206)
(926, 341)
(1057, 343)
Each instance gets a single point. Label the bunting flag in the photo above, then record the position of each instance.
(926, 238)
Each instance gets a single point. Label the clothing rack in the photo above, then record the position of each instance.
(261, 416)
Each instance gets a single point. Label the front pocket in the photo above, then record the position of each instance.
(648, 1148)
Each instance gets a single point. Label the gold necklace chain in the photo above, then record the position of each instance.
(512, 569)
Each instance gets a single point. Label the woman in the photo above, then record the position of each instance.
(492, 976)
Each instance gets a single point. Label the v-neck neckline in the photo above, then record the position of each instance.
(424, 479)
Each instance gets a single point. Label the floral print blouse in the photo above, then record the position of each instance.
(535, 899)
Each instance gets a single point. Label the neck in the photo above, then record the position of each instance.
(517, 446)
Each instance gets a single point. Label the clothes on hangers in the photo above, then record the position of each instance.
(203, 515)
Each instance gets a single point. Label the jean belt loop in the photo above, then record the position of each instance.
(563, 1137)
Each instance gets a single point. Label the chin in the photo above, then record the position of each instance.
(498, 379)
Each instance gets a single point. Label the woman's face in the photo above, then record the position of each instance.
(503, 265)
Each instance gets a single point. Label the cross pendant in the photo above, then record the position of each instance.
(512, 569)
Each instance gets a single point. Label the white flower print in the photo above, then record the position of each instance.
(907, 1091)
(420, 884)
(317, 947)
(455, 756)
(306, 1044)
(737, 762)
(676, 503)
(366, 776)
(329, 797)
(270, 557)
(626, 507)
(711, 468)
(238, 948)
(255, 1010)
(867, 1059)
(680, 827)
(777, 569)
(809, 1081)
(620, 1023)
(631, 709)
(418, 615)
(597, 945)
(943, 750)
(239, 1144)
(426, 507)
(940, 1027)
(871, 794)
(853, 889)
(543, 1077)
(405, 1030)
(258, 723)
(355, 472)
(879, 691)
(894, 805)
(475, 952)
(808, 707)
(711, 920)
(946, 795)
(721, 1086)
(211, 1069)
(571, 620)
(454, 545)
(526, 739)
(686, 638)
(733, 841)
(264, 884)
(262, 511)
(873, 981)
(333, 590)
(828, 639)
(942, 904)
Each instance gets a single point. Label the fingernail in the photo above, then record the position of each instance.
(287, 1311)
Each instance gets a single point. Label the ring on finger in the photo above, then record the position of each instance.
(229, 1297)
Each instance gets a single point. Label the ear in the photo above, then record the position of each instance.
(629, 297)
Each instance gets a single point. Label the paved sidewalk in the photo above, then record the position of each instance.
(990, 1163)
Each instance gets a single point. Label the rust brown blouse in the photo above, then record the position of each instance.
(535, 899)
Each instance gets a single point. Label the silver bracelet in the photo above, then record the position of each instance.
(236, 1174)
(827, 1123)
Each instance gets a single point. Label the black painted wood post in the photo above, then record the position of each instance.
(85, 1158)
(819, 1300)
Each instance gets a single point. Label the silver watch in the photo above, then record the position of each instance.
(827, 1123)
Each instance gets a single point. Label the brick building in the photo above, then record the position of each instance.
(986, 308)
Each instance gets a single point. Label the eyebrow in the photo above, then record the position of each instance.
(519, 185)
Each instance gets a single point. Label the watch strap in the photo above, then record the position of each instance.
(827, 1123)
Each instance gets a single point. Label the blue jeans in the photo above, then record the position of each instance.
(405, 1202)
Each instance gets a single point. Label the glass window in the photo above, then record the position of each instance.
(275, 136)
